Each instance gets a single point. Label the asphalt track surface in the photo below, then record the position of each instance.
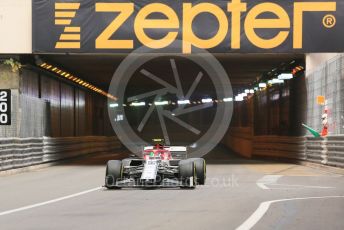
(239, 194)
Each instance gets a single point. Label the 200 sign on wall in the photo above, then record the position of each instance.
(5, 107)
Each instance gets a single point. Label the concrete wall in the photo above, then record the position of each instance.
(314, 60)
(16, 26)
(325, 77)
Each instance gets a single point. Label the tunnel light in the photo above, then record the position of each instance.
(239, 98)
(61, 73)
(247, 91)
(262, 85)
(285, 76)
(142, 103)
(113, 105)
(183, 102)
(251, 91)
(276, 81)
(227, 99)
(207, 100)
(161, 103)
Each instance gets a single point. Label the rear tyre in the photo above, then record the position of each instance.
(114, 171)
(201, 170)
(187, 174)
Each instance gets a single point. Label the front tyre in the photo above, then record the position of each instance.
(114, 172)
(201, 170)
(187, 174)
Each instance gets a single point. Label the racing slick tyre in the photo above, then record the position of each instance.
(187, 174)
(114, 172)
(201, 170)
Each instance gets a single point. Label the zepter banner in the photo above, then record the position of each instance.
(241, 26)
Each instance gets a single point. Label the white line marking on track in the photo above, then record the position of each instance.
(297, 186)
(266, 180)
(264, 206)
(49, 201)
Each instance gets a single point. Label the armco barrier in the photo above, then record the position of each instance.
(335, 151)
(328, 150)
(21, 152)
(315, 151)
(279, 146)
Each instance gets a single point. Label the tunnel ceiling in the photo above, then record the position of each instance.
(242, 69)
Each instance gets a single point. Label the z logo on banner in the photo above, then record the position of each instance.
(64, 13)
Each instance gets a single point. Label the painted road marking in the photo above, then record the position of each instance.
(269, 182)
(264, 206)
(288, 170)
(267, 179)
(49, 201)
(298, 186)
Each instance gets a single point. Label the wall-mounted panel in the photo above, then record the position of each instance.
(50, 91)
(80, 112)
(67, 110)
(29, 84)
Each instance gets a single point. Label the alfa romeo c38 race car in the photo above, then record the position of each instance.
(160, 166)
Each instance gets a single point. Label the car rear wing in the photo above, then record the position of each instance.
(177, 152)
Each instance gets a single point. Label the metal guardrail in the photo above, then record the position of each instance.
(279, 146)
(22, 152)
(328, 150)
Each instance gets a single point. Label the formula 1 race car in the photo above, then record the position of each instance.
(160, 166)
